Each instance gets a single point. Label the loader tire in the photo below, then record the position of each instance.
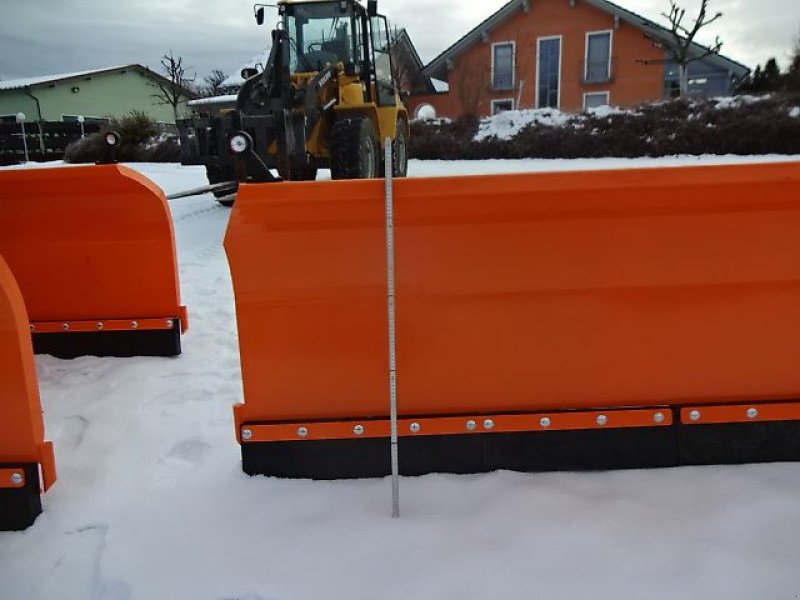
(354, 149)
(400, 151)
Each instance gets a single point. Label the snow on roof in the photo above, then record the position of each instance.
(439, 85)
(16, 84)
(257, 62)
(214, 100)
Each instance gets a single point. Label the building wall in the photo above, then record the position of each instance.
(112, 94)
(632, 83)
(15, 101)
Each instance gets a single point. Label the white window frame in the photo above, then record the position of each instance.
(539, 41)
(607, 94)
(513, 64)
(498, 100)
(610, 33)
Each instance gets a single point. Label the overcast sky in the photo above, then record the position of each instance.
(43, 37)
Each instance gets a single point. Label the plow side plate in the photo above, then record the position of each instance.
(89, 245)
(23, 449)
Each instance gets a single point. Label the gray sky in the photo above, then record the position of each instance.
(42, 37)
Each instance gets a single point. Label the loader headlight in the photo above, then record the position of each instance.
(239, 143)
(112, 139)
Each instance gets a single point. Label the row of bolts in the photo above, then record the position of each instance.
(544, 422)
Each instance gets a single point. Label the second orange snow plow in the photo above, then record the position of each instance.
(27, 465)
(93, 251)
(610, 319)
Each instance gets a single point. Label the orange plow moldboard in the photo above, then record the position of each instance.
(517, 295)
(93, 251)
(23, 450)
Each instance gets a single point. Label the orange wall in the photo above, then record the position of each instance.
(632, 83)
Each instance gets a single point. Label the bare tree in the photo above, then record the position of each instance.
(793, 76)
(214, 81)
(402, 72)
(470, 86)
(683, 34)
(175, 88)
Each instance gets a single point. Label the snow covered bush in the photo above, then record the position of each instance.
(141, 141)
(739, 125)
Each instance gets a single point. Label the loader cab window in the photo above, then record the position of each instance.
(319, 34)
(383, 60)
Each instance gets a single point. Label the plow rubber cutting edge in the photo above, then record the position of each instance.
(23, 451)
(592, 320)
(93, 251)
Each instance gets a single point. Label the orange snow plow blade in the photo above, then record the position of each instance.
(544, 321)
(23, 451)
(93, 251)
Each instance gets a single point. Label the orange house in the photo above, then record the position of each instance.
(565, 54)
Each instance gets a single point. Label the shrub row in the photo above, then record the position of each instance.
(676, 127)
(141, 141)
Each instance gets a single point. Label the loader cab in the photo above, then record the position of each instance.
(341, 31)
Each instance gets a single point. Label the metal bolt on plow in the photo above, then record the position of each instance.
(471, 425)
(658, 417)
(16, 479)
(170, 323)
(302, 432)
(602, 419)
(752, 413)
(65, 326)
(694, 415)
(246, 434)
(414, 427)
(488, 424)
(134, 325)
(358, 430)
(544, 422)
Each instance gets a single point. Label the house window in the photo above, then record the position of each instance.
(8, 118)
(499, 106)
(548, 72)
(503, 66)
(595, 99)
(598, 57)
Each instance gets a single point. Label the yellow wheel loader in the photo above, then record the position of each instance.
(326, 98)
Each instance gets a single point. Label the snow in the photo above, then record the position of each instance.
(505, 125)
(214, 100)
(14, 84)
(235, 80)
(795, 112)
(151, 503)
(441, 87)
(724, 102)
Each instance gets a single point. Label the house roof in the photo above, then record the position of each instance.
(438, 66)
(405, 47)
(27, 82)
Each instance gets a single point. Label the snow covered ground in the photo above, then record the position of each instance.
(151, 503)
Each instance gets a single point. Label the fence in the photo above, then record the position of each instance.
(45, 140)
